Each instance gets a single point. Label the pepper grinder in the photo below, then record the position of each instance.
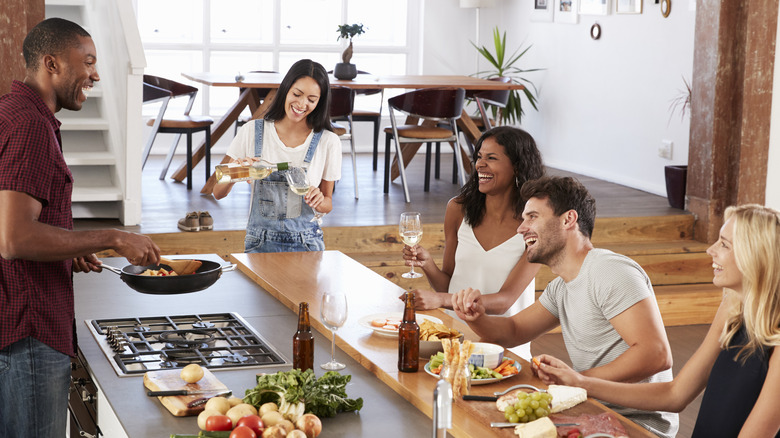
(442, 408)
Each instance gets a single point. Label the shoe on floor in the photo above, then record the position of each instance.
(206, 221)
(191, 222)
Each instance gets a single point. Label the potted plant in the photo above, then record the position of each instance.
(504, 66)
(344, 70)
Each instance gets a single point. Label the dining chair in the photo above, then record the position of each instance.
(342, 102)
(158, 89)
(429, 106)
(261, 94)
(368, 115)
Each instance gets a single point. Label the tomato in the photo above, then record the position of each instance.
(243, 432)
(253, 422)
(218, 422)
(574, 433)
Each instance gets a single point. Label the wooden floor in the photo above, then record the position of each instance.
(166, 201)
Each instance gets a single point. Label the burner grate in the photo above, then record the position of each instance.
(223, 340)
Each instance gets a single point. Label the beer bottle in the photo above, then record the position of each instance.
(303, 341)
(409, 339)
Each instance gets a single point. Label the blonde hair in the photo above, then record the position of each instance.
(757, 252)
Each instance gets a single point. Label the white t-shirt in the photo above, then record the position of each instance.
(325, 164)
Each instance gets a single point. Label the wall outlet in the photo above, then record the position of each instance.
(665, 149)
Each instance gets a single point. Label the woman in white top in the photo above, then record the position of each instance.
(296, 130)
(482, 249)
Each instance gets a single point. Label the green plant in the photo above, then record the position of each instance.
(349, 31)
(682, 102)
(504, 66)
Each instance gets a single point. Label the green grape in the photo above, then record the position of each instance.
(521, 395)
(507, 415)
(529, 411)
(536, 396)
(513, 418)
(531, 417)
(523, 403)
(544, 403)
(534, 404)
(541, 412)
(510, 409)
(524, 419)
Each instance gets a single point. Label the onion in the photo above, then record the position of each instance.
(309, 424)
(296, 434)
(274, 432)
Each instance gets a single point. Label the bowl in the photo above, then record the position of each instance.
(486, 355)
(429, 348)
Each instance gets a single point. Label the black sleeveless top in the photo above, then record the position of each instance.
(732, 390)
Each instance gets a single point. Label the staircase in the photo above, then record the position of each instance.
(102, 142)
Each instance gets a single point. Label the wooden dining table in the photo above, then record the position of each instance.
(251, 85)
(304, 276)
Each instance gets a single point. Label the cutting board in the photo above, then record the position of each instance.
(166, 380)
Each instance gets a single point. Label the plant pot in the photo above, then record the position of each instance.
(345, 72)
(676, 179)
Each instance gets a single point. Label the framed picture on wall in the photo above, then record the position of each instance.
(542, 10)
(566, 11)
(594, 7)
(628, 6)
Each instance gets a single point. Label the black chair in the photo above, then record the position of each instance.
(262, 93)
(158, 89)
(364, 115)
(342, 101)
(429, 105)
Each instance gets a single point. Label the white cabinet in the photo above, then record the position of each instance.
(102, 142)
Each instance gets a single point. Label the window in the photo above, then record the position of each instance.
(233, 36)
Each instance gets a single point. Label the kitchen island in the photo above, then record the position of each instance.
(124, 409)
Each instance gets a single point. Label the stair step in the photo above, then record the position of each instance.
(84, 124)
(90, 159)
(96, 194)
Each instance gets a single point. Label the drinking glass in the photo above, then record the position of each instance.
(333, 313)
(410, 229)
(299, 184)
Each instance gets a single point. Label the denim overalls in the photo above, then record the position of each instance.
(279, 220)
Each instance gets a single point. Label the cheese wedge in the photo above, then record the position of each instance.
(565, 397)
(541, 428)
(182, 267)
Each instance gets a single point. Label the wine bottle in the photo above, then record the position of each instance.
(303, 340)
(409, 338)
(234, 172)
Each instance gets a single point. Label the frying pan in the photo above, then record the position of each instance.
(208, 273)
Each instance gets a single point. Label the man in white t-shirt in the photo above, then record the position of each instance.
(603, 301)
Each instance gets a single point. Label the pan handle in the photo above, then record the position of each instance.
(230, 267)
(113, 269)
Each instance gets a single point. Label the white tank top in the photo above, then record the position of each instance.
(488, 270)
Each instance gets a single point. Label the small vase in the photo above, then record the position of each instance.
(345, 72)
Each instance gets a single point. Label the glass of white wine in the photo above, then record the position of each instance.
(299, 184)
(333, 314)
(410, 229)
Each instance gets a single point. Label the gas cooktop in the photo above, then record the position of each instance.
(218, 341)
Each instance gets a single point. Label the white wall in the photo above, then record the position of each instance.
(604, 106)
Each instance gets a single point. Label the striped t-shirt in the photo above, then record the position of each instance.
(607, 285)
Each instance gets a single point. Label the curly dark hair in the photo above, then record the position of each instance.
(319, 119)
(50, 37)
(526, 160)
(564, 194)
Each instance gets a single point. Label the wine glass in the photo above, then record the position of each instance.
(299, 184)
(333, 314)
(410, 229)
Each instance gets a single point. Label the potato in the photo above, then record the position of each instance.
(236, 412)
(204, 415)
(274, 432)
(287, 425)
(271, 418)
(296, 434)
(310, 424)
(268, 407)
(235, 401)
(192, 373)
(249, 408)
(220, 404)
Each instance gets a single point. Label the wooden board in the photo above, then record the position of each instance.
(167, 380)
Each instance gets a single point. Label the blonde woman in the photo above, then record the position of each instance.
(735, 362)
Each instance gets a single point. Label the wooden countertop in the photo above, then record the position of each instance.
(296, 277)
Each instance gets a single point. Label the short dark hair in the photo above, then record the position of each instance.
(526, 160)
(564, 194)
(319, 119)
(50, 37)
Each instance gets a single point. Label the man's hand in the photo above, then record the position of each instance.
(88, 263)
(553, 371)
(467, 304)
(138, 249)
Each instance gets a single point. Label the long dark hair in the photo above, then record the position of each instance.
(526, 160)
(318, 120)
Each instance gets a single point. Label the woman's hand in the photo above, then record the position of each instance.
(314, 198)
(416, 255)
(553, 371)
(467, 304)
(427, 299)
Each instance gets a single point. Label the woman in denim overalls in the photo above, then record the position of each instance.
(296, 130)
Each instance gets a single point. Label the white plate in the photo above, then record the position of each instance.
(366, 321)
(476, 381)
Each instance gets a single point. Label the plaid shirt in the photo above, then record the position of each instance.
(36, 298)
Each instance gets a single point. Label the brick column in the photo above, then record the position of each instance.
(17, 17)
(730, 108)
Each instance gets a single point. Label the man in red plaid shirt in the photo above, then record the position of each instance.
(39, 250)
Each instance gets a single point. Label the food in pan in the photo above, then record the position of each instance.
(162, 272)
(182, 267)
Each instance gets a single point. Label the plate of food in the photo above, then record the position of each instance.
(479, 375)
(387, 323)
